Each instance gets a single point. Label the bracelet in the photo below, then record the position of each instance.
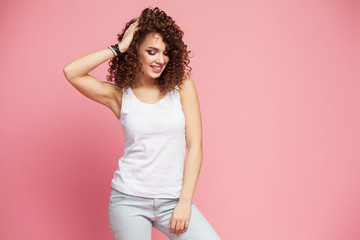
(114, 52)
(115, 49)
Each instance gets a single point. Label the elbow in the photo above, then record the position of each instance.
(67, 73)
(196, 148)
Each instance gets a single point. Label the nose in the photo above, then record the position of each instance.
(160, 59)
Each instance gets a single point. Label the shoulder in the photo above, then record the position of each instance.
(115, 91)
(187, 89)
(188, 94)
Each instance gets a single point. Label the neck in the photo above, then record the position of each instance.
(143, 82)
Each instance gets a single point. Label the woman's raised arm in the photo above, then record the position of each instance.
(77, 73)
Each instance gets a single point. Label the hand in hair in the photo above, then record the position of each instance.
(128, 36)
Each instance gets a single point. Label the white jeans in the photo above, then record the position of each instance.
(132, 217)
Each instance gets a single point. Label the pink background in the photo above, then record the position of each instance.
(278, 83)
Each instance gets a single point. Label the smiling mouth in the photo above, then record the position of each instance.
(156, 69)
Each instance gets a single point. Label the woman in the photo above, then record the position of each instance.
(157, 106)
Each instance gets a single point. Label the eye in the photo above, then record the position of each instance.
(166, 53)
(151, 53)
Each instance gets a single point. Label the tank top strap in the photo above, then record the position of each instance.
(176, 95)
(124, 99)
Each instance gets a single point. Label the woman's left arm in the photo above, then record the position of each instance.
(193, 133)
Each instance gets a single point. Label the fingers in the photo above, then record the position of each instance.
(186, 225)
(129, 33)
(134, 26)
(178, 227)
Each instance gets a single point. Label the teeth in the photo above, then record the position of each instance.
(157, 68)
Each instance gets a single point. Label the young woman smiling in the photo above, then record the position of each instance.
(150, 91)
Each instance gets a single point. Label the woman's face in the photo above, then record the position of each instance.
(153, 55)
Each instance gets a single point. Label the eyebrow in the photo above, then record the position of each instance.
(155, 48)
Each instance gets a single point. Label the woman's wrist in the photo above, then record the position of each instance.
(117, 49)
(121, 48)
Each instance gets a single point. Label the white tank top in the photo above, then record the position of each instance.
(154, 138)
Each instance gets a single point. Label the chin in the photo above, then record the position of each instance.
(155, 75)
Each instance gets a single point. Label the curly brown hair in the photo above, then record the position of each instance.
(123, 69)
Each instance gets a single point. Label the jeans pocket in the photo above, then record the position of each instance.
(117, 196)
